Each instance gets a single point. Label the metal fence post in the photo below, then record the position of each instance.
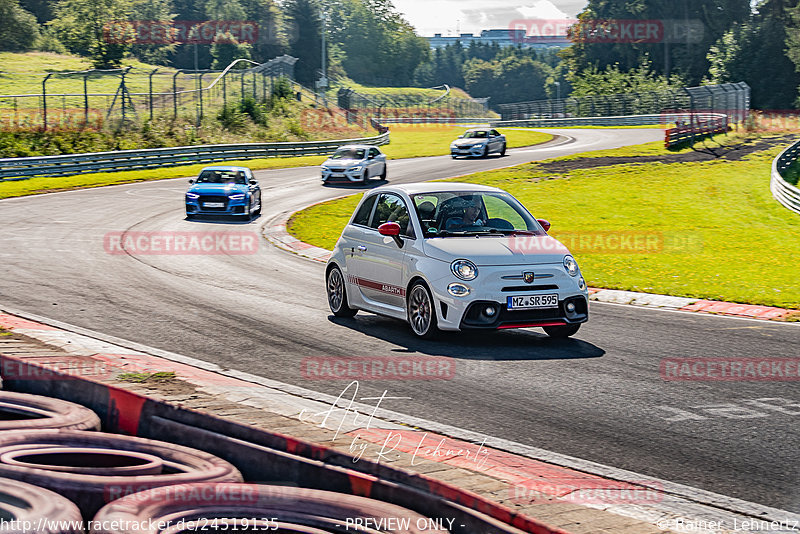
(200, 95)
(150, 99)
(44, 99)
(175, 94)
(85, 101)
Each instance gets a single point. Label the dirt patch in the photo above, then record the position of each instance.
(708, 152)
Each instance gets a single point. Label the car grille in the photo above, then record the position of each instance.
(336, 169)
(213, 198)
(537, 287)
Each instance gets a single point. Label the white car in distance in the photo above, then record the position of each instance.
(354, 164)
(454, 256)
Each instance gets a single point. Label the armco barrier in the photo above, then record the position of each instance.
(620, 120)
(784, 192)
(435, 120)
(125, 160)
(697, 125)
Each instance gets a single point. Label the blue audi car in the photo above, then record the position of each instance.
(224, 190)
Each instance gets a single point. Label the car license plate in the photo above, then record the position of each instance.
(527, 302)
(213, 204)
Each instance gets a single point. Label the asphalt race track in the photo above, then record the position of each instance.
(598, 396)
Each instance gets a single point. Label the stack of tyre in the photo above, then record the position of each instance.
(60, 475)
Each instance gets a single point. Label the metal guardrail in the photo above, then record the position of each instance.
(694, 126)
(784, 192)
(620, 120)
(435, 120)
(125, 160)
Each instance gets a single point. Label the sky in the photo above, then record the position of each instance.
(450, 17)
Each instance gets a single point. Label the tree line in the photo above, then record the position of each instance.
(369, 42)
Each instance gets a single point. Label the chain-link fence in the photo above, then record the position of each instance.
(123, 97)
(387, 105)
(732, 99)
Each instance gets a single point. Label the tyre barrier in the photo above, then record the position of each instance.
(23, 506)
(20, 411)
(252, 508)
(93, 468)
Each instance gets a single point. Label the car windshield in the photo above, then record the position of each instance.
(349, 153)
(222, 177)
(480, 134)
(473, 213)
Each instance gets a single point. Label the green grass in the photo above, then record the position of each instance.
(417, 140)
(406, 142)
(723, 235)
(23, 73)
(161, 376)
(39, 185)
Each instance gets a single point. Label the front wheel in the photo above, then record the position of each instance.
(258, 209)
(421, 313)
(561, 331)
(503, 150)
(383, 174)
(337, 294)
(485, 153)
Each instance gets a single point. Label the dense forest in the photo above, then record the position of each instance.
(369, 42)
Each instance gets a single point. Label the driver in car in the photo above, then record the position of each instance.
(469, 219)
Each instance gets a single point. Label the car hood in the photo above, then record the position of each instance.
(470, 142)
(493, 250)
(218, 189)
(343, 162)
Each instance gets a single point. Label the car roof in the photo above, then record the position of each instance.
(437, 187)
(225, 168)
(484, 129)
(357, 146)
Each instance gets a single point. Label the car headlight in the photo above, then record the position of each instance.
(464, 269)
(571, 265)
(238, 196)
(192, 196)
(356, 168)
(325, 168)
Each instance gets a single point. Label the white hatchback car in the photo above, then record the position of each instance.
(454, 256)
(354, 163)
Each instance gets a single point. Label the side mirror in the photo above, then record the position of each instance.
(191, 181)
(545, 224)
(391, 229)
(371, 156)
(253, 181)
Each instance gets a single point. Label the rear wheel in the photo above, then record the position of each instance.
(337, 294)
(562, 331)
(421, 314)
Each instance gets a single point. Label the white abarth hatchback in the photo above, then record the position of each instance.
(453, 256)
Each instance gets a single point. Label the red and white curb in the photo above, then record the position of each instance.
(278, 236)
